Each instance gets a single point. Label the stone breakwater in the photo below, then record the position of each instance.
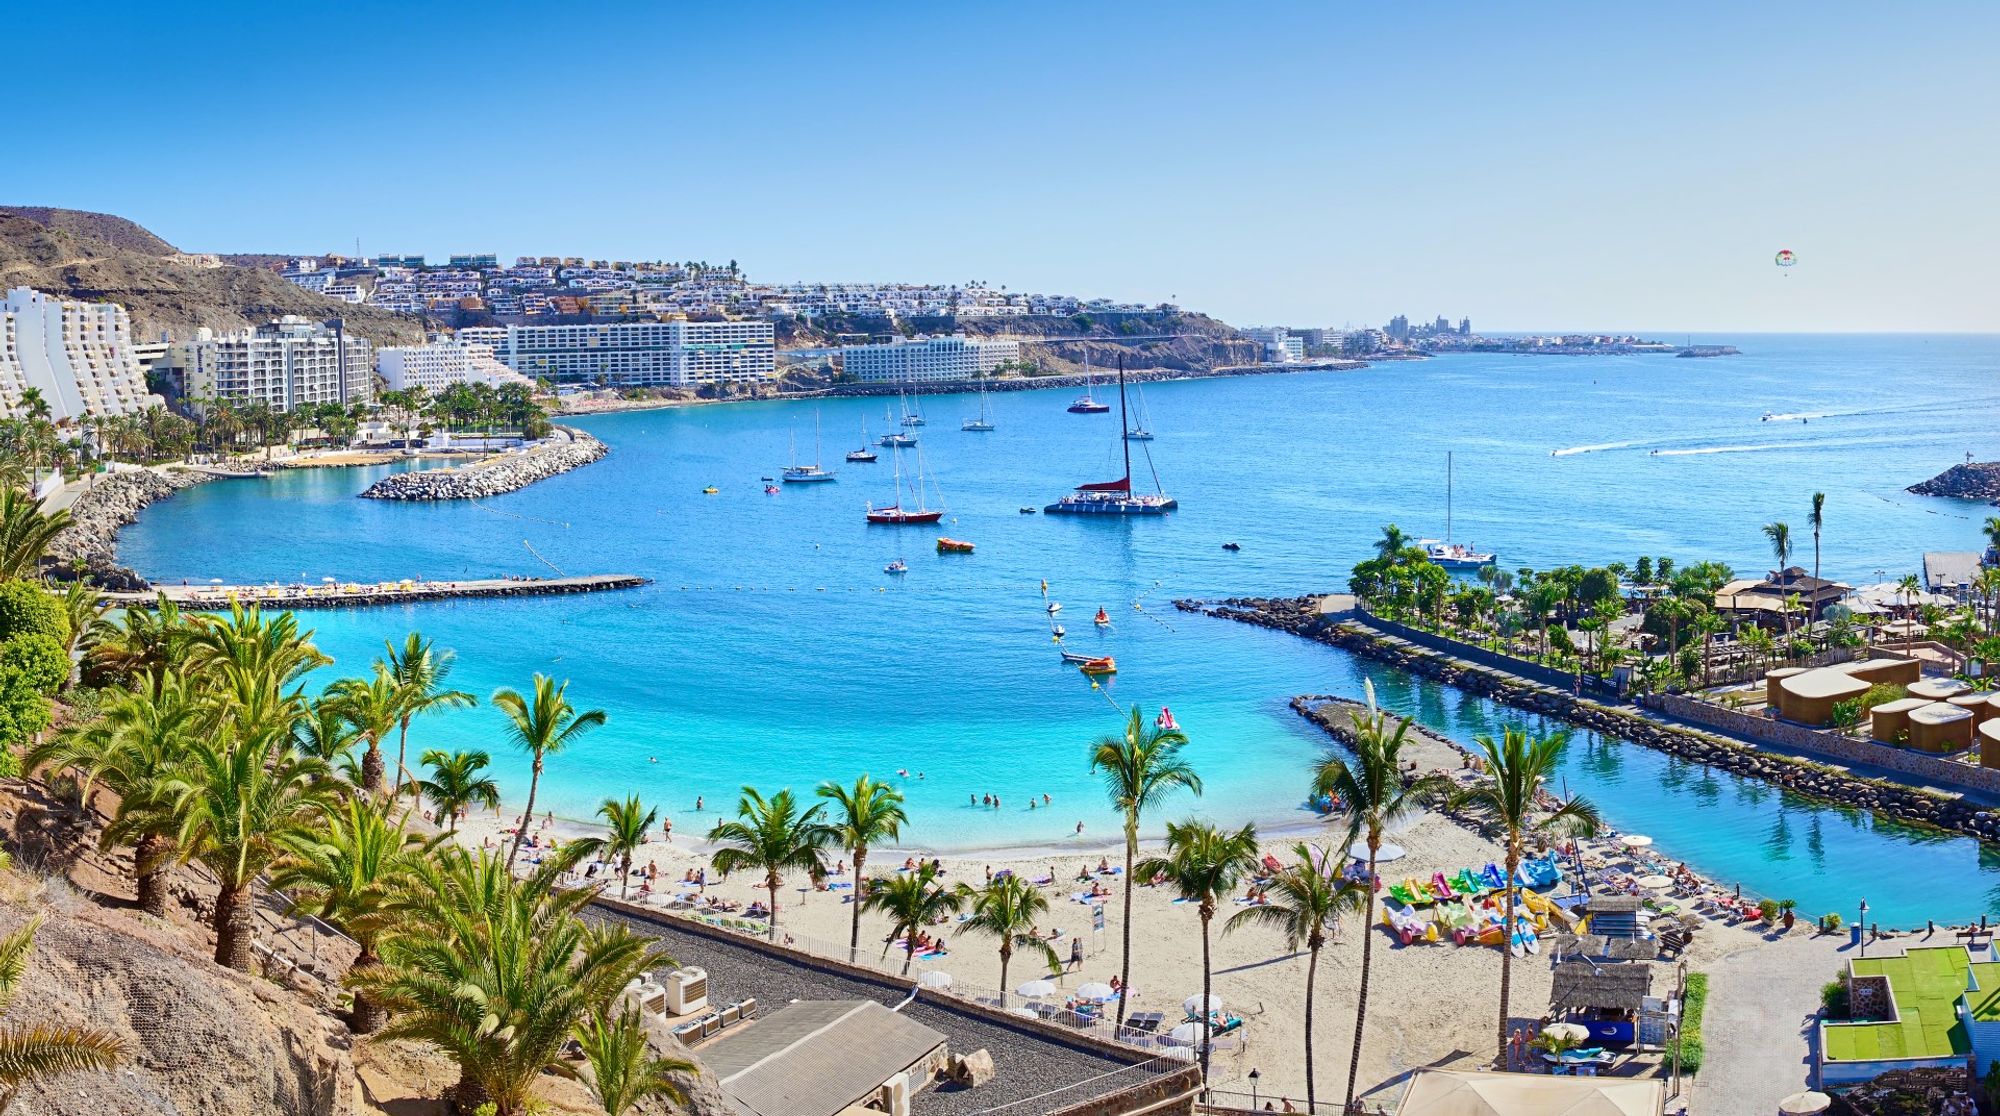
(564, 449)
(1979, 480)
(1300, 616)
(111, 501)
(1104, 382)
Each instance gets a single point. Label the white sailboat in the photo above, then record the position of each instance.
(982, 424)
(1453, 555)
(1139, 431)
(807, 474)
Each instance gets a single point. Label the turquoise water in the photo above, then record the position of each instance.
(772, 648)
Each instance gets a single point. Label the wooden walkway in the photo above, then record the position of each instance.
(218, 598)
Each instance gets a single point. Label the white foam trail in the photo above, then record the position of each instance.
(1726, 449)
(1593, 449)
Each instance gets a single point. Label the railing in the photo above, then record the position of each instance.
(1085, 1095)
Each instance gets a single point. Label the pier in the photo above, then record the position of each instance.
(353, 594)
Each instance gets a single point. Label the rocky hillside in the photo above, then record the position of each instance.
(99, 257)
(1193, 342)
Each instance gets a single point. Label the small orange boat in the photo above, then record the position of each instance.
(953, 546)
(1102, 665)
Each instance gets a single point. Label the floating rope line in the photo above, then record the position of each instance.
(544, 561)
(481, 505)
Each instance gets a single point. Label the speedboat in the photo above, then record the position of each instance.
(1025, 510)
(1232, 546)
(710, 490)
(953, 546)
(897, 567)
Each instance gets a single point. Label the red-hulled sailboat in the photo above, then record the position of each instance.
(896, 514)
(1116, 497)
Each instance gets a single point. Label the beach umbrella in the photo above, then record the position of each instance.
(1655, 883)
(1805, 1104)
(1187, 1034)
(1096, 990)
(936, 978)
(215, 581)
(1635, 840)
(1192, 1005)
(1574, 1031)
(1359, 851)
(1035, 989)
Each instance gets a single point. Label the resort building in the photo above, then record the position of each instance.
(927, 359)
(674, 353)
(1951, 572)
(78, 355)
(1933, 1007)
(286, 364)
(1765, 601)
(441, 364)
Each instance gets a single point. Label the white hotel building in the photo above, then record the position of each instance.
(78, 355)
(673, 353)
(441, 364)
(957, 357)
(285, 364)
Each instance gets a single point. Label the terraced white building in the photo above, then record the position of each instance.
(77, 355)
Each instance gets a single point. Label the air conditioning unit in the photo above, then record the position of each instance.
(896, 1092)
(644, 996)
(687, 990)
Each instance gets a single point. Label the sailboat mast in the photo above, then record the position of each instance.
(1123, 426)
(1447, 495)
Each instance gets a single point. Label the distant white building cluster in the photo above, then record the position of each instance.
(672, 353)
(286, 364)
(956, 357)
(441, 364)
(78, 355)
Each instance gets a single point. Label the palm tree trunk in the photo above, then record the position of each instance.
(368, 1016)
(233, 930)
(371, 769)
(771, 884)
(910, 949)
(1006, 954)
(854, 928)
(1312, 970)
(624, 876)
(1367, 949)
(402, 746)
(1506, 944)
(1207, 1016)
(150, 859)
(1125, 916)
(521, 834)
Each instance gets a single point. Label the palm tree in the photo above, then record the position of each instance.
(776, 836)
(242, 798)
(35, 1052)
(912, 900)
(1780, 536)
(1517, 769)
(1301, 902)
(1707, 624)
(1909, 587)
(374, 708)
(139, 743)
(1008, 908)
(1392, 542)
(354, 873)
(1991, 529)
(1140, 769)
(420, 670)
(326, 734)
(1818, 520)
(456, 783)
(144, 643)
(623, 1068)
(1203, 865)
(499, 972)
(626, 829)
(25, 532)
(1373, 794)
(85, 608)
(542, 726)
(871, 812)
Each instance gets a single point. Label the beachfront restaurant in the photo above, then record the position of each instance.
(1613, 1001)
(1931, 1007)
(1443, 1092)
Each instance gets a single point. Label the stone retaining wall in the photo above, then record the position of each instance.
(1832, 745)
(1299, 615)
(566, 448)
(1547, 676)
(111, 501)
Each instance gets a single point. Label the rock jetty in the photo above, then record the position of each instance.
(1301, 616)
(111, 501)
(564, 449)
(1979, 480)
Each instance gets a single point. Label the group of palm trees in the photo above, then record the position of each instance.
(214, 755)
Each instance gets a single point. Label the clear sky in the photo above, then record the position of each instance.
(1534, 166)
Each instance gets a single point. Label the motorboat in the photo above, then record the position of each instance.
(897, 567)
(947, 545)
(710, 490)
(1103, 664)
(1232, 546)
(772, 490)
(1026, 510)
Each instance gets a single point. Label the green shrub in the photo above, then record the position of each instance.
(1833, 999)
(1769, 909)
(27, 608)
(1847, 714)
(1830, 922)
(1689, 1039)
(35, 661)
(1882, 693)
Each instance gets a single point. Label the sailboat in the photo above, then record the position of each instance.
(1139, 433)
(1085, 405)
(896, 515)
(1116, 497)
(893, 438)
(807, 474)
(864, 454)
(982, 424)
(913, 415)
(1451, 555)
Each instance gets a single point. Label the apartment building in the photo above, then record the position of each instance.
(957, 357)
(285, 364)
(443, 363)
(674, 353)
(78, 355)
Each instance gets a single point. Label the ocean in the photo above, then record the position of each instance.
(772, 649)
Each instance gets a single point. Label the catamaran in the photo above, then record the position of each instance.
(896, 515)
(1085, 405)
(982, 424)
(807, 474)
(1116, 497)
(1451, 555)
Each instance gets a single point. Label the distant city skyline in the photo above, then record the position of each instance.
(1576, 168)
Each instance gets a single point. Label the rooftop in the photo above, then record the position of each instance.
(816, 1056)
(1926, 985)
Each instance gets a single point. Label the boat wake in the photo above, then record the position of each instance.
(1592, 449)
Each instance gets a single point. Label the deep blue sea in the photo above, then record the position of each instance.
(772, 649)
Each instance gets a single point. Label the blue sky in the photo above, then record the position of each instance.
(1533, 166)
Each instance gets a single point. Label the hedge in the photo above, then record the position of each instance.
(1689, 1039)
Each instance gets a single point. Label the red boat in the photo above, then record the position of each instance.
(899, 514)
(895, 516)
(953, 546)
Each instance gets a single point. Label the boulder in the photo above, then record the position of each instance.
(972, 1070)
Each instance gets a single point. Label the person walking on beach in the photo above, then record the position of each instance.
(667, 830)
(1075, 955)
